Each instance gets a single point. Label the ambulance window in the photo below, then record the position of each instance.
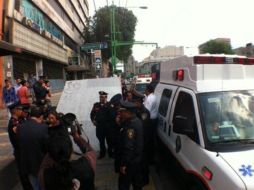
(185, 109)
(164, 103)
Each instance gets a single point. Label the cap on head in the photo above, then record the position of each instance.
(15, 106)
(116, 99)
(102, 93)
(127, 106)
(150, 88)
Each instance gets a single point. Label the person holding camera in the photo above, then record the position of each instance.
(59, 172)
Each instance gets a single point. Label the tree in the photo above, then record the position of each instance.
(89, 31)
(98, 30)
(216, 47)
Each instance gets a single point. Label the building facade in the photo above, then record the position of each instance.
(49, 33)
(248, 50)
(158, 55)
(5, 49)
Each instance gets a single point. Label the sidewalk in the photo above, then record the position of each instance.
(107, 179)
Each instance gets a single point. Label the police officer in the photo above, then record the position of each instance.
(131, 148)
(144, 115)
(14, 123)
(100, 116)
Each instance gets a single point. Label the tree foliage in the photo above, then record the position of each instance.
(99, 30)
(216, 47)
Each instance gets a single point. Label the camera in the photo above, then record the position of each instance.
(71, 123)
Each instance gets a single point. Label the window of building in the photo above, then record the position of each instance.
(17, 5)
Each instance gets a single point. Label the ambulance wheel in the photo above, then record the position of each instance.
(196, 184)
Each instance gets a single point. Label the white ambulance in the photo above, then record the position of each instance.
(206, 119)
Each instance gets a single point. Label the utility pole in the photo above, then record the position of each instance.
(113, 36)
(114, 42)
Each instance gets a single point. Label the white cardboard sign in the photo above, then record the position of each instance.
(79, 96)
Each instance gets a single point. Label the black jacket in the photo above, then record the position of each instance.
(101, 114)
(144, 115)
(131, 142)
(40, 92)
(32, 137)
(13, 122)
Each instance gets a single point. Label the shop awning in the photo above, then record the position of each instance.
(8, 49)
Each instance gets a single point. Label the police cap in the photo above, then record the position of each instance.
(116, 99)
(15, 106)
(102, 93)
(129, 106)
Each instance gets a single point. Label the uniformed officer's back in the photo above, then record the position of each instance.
(131, 147)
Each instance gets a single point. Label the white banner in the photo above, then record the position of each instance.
(79, 96)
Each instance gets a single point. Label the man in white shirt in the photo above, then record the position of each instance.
(17, 86)
(150, 104)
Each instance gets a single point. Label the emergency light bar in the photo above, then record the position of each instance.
(222, 60)
(178, 75)
(144, 75)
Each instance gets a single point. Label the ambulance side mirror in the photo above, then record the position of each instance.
(182, 125)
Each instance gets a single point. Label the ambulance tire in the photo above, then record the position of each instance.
(196, 184)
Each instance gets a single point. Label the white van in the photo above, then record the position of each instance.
(206, 118)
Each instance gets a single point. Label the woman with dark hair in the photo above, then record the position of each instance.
(58, 172)
(55, 124)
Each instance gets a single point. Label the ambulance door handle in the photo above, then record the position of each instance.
(169, 129)
(164, 126)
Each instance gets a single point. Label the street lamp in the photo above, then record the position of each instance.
(140, 7)
(113, 33)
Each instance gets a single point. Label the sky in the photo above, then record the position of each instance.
(187, 23)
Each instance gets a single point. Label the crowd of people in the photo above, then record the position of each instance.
(26, 92)
(127, 123)
(43, 149)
